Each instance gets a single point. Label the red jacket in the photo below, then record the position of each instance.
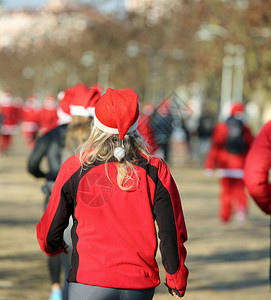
(29, 120)
(114, 235)
(10, 119)
(230, 165)
(257, 166)
(47, 118)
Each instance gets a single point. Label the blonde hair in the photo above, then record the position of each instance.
(100, 146)
(77, 133)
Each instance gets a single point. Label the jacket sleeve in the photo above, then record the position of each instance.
(256, 170)
(34, 160)
(56, 217)
(49, 146)
(171, 230)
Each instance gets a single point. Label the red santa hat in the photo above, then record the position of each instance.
(63, 110)
(237, 108)
(78, 100)
(84, 101)
(117, 112)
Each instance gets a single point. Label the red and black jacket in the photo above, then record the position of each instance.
(219, 157)
(114, 234)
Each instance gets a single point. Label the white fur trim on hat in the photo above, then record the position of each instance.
(63, 118)
(82, 111)
(105, 128)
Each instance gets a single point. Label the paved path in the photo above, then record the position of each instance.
(226, 262)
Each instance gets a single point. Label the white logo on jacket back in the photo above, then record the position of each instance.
(95, 189)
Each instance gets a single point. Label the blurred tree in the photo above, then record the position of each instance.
(184, 46)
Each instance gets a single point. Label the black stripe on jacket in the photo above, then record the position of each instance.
(164, 216)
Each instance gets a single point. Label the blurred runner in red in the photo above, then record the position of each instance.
(29, 126)
(47, 116)
(230, 143)
(10, 120)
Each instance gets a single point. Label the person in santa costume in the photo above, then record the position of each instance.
(47, 116)
(144, 126)
(10, 120)
(230, 143)
(76, 109)
(29, 124)
(115, 191)
(256, 172)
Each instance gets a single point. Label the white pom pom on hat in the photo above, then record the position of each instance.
(119, 153)
(117, 112)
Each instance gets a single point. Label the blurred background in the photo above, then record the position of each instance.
(202, 55)
(209, 52)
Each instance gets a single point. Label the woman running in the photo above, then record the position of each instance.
(115, 191)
